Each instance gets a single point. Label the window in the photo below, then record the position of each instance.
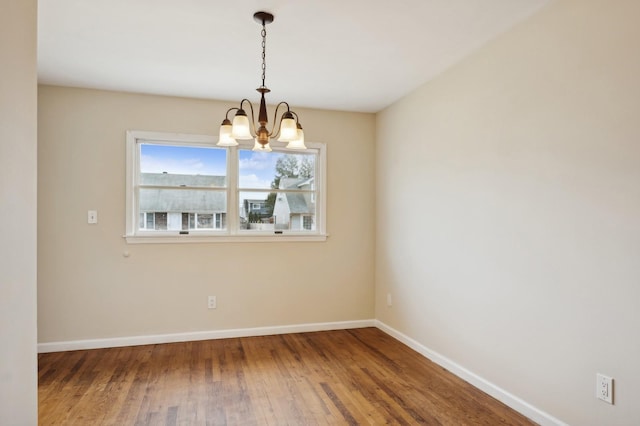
(307, 222)
(203, 221)
(281, 186)
(153, 220)
(183, 188)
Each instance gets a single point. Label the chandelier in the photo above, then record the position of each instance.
(288, 129)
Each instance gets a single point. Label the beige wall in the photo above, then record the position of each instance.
(507, 222)
(508, 227)
(18, 168)
(88, 290)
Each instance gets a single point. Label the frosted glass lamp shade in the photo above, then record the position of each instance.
(298, 143)
(288, 128)
(261, 148)
(225, 138)
(241, 128)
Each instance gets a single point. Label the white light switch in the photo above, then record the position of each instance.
(92, 216)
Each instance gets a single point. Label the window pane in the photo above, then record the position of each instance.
(161, 221)
(205, 220)
(307, 223)
(267, 170)
(150, 217)
(168, 165)
(292, 175)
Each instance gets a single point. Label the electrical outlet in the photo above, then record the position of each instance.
(604, 388)
(389, 300)
(211, 302)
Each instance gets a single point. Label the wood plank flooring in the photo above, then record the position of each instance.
(351, 377)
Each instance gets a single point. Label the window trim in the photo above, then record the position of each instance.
(232, 233)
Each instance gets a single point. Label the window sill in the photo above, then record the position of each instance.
(189, 239)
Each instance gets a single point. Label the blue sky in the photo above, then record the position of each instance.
(257, 169)
(182, 160)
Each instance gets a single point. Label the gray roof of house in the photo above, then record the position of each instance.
(182, 200)
(292, 183)
(298, 203)
(168, 179)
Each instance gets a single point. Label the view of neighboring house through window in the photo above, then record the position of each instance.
(180, 185)
(307, 222)
(203, 221)
(280, 194)
(153, 220)
(181, 188)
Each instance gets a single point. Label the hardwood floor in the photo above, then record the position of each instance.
(353, 377)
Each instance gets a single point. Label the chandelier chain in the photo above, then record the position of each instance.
(264, 56)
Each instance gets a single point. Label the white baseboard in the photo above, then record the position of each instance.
(484, 385)
(115, 342)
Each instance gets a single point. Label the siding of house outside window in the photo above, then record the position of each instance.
(181, 209)
(291, 207)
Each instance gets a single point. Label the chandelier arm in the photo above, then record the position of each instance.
(253, 119)
(229, 110)
(273, 133)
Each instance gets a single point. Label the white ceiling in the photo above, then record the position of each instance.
(356, 55)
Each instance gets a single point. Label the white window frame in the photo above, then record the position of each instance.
(232, 233)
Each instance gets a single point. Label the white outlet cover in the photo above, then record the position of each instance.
(604, 388)
(211, 302)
